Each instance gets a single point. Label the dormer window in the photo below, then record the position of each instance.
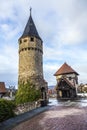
(32, 39)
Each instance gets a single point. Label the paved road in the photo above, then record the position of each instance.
(62, 116)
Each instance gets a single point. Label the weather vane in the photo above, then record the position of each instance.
(30, 10)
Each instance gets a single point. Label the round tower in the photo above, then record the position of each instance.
(31, 57)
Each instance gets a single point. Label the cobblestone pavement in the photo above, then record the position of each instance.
(68, 117)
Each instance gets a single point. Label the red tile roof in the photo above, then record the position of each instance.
(2, 87)
(65, 69)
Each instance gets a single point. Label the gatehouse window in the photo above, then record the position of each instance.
(70, 78)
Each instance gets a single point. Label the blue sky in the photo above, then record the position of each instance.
(61, 24)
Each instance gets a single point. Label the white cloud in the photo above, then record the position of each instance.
(62, 26)
(9, 65)
(49, 70)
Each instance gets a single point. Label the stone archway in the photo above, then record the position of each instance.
(43, 93)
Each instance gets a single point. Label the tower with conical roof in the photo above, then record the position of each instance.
(31, 57)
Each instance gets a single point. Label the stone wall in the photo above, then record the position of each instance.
(30, 58)
(31, 62)
(22, 108)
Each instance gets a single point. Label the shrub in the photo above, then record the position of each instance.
(6, 109)
(27, 93)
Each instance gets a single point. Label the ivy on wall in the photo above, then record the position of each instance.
(27, 92)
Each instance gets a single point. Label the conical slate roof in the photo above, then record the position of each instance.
(30, 29)
(65, 69)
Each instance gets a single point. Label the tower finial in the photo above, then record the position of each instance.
(30, 10)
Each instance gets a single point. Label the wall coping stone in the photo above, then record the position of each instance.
(12, 122)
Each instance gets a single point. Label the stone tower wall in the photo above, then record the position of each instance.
(30, 58)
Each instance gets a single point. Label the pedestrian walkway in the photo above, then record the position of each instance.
(62, 115)
(57, 118)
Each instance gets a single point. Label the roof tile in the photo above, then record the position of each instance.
(30, 29)
(65, 69)
(2, 87)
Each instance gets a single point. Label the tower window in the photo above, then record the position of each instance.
(32, 48)
(32, 39)
(20, 41)
(25, 40)
(28, 48)
(25, 49)
(35, 49)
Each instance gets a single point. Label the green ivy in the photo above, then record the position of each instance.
(27, 93)
(6, 109)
